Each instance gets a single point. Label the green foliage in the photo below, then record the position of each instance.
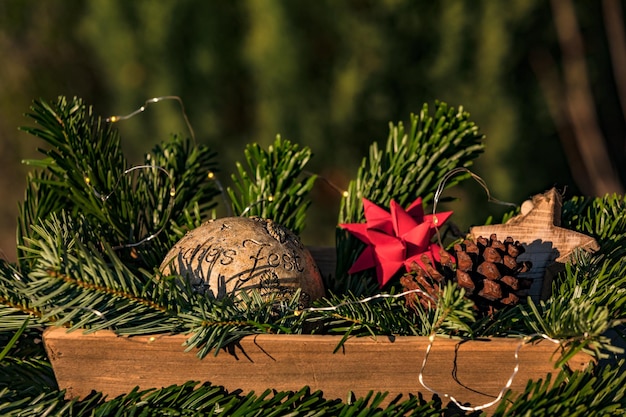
(215, 324)
(593, 392)
(15, 307)
(194, 399)
(348, 316)
(272, 186)
(602, 218)
(86, 173)
(579, 323)
(412, 164)
(24, 367)
(589, 297)
(85, 264)
(76, 284)
(389, 315)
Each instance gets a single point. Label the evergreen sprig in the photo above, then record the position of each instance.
(414, 161)
(603, 218)
(27, 375)
(85, 172)
(592, 392)
(76, 284)
(412, 164)
(587, 301)
(24, 366)
(194, 399)
(274, 185)
(349, 316)
(16, 308)
(216, 324)
(589, 297)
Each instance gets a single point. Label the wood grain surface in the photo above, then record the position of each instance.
(473, 372)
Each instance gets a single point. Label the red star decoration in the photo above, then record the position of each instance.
(395, 239)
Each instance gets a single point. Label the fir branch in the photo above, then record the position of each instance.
(599, 392)
(24, 367)
(347, 316)
(85, 155)
(73, 284)
(271, 187)
(15, 307)
(412, 164)
(89, 286)
(454, 313)
(350, 316)
(86, 173)
(194, 399)
(507, 322)
(28, 376)
(215, 324)
(603, 218)
(582, 309)
(190, 171)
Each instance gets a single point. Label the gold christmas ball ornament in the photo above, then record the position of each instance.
(230, 254)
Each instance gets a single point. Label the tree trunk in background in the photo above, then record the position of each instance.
(614, 27)
(579, 105)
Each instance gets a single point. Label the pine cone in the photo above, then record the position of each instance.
(487, 269)
(428, 279)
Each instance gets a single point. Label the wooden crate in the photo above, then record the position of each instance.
(471, 371)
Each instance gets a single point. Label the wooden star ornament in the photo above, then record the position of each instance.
(548, 246)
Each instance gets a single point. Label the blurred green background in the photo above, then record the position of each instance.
(542, 79)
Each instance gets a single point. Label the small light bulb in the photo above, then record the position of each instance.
(345, 194)
(270, 198)
(113, 119)
(211, 175)
(87, 180)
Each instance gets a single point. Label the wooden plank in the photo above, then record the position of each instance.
(472, 371)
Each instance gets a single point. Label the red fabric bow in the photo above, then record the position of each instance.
(396, 238)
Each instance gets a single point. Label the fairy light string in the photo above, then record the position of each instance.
(210, 175)
(507, 385)
(441, 187)
(115, 119)
(332, 185)
(105, 197)
(363, 301)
